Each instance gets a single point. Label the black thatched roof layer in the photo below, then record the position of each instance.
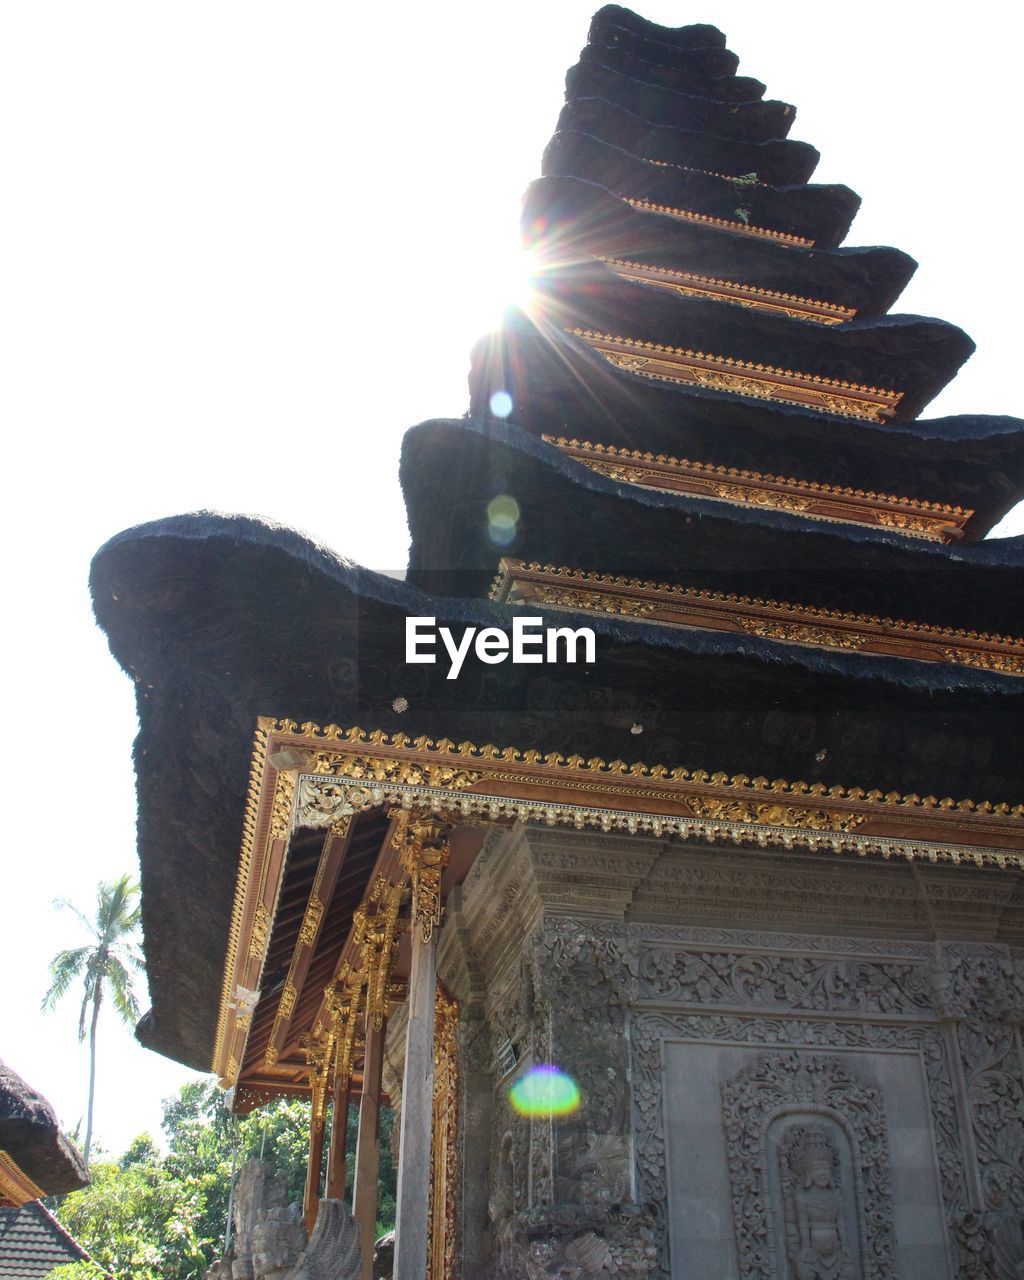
(564, 217)
(698, 48)
(219, 620)
(778, 161)
(820, 213)
(571, 516)
(686, 79)
(911, 354)
(757, 121)
(559, 387)
(31, 1136)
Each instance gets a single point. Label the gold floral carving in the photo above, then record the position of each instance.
(774, 815)
(754, 298)
(1008, 664)
(763, 497)
(260, 932)
(311, 921)
(796, 633)
(372, 769)
(600, 601)
(286, 1005)
(444, 1166)
(916, 517)
(425, 858)
(742, 377)
(281, 811)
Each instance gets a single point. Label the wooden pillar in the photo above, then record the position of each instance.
(311, 1200)
(428, 851)
(337, 1174)
(411, 1210)
(366, 1186)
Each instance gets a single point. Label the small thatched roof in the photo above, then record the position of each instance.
(31, 1136)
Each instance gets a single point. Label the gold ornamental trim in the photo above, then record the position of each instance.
(742, 377)
(913, 517)
(429, 779)
(245, 858)
(673, 604)
(724, 224)
(745, 295)
(739, 179)
(15, 1184)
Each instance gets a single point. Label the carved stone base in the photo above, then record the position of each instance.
(568, 1243)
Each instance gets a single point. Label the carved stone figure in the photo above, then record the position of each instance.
(333, 1251)
(815, 1234)
(278, 1239)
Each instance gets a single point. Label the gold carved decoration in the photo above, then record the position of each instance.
(311, 921)
(775, 815)
(695, 286)
(742, 377)
(444, 1165)
(281, 813)
(287, 1002)
(762, 498)
(260, 931)
(672, 604)
(16, 1187)
(408, 772)
(1007, 664)
(795, 633)
(917, 518)
(723, 224)
(425, 858)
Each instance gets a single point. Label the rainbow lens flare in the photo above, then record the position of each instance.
(545, 1091)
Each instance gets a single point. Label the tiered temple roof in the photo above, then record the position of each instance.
(714, 458)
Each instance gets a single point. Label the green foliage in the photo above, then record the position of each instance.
(150, 1216)
(140, 1222)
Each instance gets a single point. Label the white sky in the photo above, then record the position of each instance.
(220, 218)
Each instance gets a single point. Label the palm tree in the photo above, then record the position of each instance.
(107, 961)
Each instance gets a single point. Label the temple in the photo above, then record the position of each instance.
(749, 880)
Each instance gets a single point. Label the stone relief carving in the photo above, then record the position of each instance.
(800, 1212)
(650, 1029)
(819, 1244)
(797, 982)
(991, 1244)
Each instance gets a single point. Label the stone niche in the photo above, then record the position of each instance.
(792, 1066)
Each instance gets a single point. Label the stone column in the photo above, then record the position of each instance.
(366, 1186)
(426, 855)
(337, 1174)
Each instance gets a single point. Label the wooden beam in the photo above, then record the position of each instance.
(311, 1200)
(331, 858)
(414, 1159)
(337, 1173)
(366, 1186)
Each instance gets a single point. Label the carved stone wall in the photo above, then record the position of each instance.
(784, 1074)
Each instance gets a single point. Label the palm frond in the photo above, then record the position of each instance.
(65, 967)
(120, 980)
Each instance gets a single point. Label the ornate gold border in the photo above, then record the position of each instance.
(725, 224)
(342, 770)
(913, 517)
(675, 604)
(742, 377)
(15, 1184)
(745, 295)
